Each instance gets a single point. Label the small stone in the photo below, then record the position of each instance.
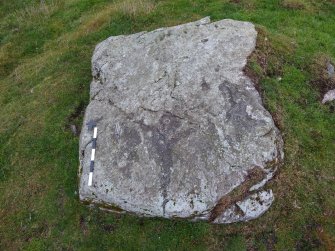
(74, 129)
(329, 96)
(330, 70)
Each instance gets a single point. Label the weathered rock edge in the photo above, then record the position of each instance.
(177, 110)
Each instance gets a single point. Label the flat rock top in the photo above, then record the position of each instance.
(179, 124)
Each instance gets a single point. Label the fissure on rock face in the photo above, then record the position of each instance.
(181, 128)
(163, 137)
(253, 177)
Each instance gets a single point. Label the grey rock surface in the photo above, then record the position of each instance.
(250, 208)
(180, 127)
(330, 70)
(329, 96)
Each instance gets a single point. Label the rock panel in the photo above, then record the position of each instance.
(179, 124)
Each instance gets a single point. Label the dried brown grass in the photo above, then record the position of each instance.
(294, 4)
(40, 10)
(135, 7)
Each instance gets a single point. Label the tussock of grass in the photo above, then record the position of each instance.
(135, 7)
(247, 4)
(320, 76)
(37, 11)
(294, 4)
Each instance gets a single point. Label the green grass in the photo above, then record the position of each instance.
(44, 83)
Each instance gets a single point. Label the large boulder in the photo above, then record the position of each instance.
(182, 132)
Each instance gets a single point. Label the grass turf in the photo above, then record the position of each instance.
(45, 53)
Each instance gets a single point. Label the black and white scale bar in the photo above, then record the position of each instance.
(94, 144)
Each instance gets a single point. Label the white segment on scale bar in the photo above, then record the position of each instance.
(93, 154)
(90, 177)
(95, 133)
